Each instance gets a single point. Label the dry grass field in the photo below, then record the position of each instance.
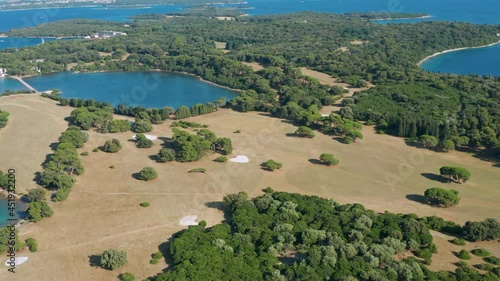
(103, 209)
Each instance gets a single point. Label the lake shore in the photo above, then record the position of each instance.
(454, 50)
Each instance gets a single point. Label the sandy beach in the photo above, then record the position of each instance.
(456, 49)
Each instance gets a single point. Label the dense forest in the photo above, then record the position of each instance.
(407, 101)
(283, 236)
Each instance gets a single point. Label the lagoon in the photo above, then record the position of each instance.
(147, 89)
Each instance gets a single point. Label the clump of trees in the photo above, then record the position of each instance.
(112, 146)
(441, 197)
(4, 118)
(304, 132)
(39, 210)
(166, 155)
(5, 240)
(91, 117)
(142, 126)
(147, 174)
(32, 244)
(112, 259)
(456, 174)
(188, 124)
(198, 109)
(328, 159)
(271, 165)
(190, 147)
(489, 229)
(464, 255)
(141, 141)
(74, 136)
(115, 126)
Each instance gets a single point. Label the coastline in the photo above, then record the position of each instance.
(422, 17)
(454, 50)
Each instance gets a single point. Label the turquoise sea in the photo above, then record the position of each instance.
(10, 84)
(11, 42)
(148, 89)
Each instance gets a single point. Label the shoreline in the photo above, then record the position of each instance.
(416, 18)
(454, 50)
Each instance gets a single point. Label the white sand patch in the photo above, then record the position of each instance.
(240, 159)
(149, 137)
(189, 220)
(19, 260)
(325, 115)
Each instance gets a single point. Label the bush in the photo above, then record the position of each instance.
(144, 204)
(480, 252)
(428, 141)
(112, 146)
(220, 159)
(112, 166)
(447, 145)
(489, 229)
(32, 244)
(157, 255)
(441, 197)
(147, 174)
(458, 241)
(85, 153)
(95, 150)
(62, 194)
(127, 276)
(237, 131)
(328, 159)
(153, 261)
(271, 165)
(423, 253)
(166, 155)
(198, 170)
(112, 259)
(380, 132)
(305, 132)
(492, 260)
(464, 255)
(142, 126)
(141, 141)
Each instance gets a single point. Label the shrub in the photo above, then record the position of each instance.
(157, 255)
(198, 170)
(423, 253)
(447, 145)
(32, 244)
(489, 229)
(166, 155)
(380, 132)
(492, 260)
(95, 150)
(220, 159)
(271, 165)
(112, 146)
(237, 131)
(464, 255)
(428, 141)
(305, 132)
(85, 153)
(441, 197)
(153, 261)
(458, 241)
(112, 166)
(141, 141)
(480, 252)
(111, 259)
(62, 194)
(147, 174)
(127, 276)
(144, 204)
(328, 159)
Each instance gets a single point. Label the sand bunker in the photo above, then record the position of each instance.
(189, 220)
(19, 260)
(240, 159)
(149, 137)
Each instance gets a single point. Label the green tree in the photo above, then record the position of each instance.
(147, 174)
(305, 132)
(328, 159)
(32, 244)
(428, 141)
(36, 195)
(457, 174)
(112, 259)
(447, 145)
(39, 210)
(489, 229)
(141, 141)
(74, 136)
(272, 165)
(112, 146)
(142, 126)
(441, 197)
(464, 255)
(166, 155)
(127, 276)
(224, 145)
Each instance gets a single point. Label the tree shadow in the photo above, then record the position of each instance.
(53, 145)
(219, 205)
(415, 144)
(95, 261)
(435, 177)
(292, 135)
(315, 161)
(340, 140)
(154, 157)
(136, 176)
(416, 198)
